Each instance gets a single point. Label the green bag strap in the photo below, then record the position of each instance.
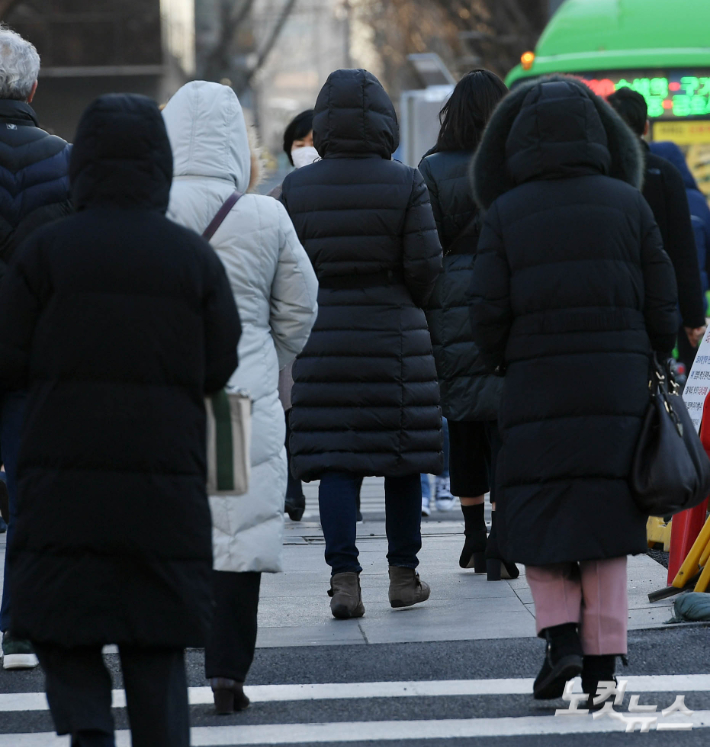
(224, 447)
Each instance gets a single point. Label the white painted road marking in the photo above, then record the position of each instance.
(664, 683)
(374, 731)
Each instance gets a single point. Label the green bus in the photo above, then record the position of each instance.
(660, 48)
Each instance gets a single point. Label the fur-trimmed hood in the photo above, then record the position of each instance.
(553, 128)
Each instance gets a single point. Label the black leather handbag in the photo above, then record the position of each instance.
(670, 470)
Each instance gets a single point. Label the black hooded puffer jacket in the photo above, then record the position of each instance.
(365, 395)
(118, 321)
(468, 390)
(571, 292)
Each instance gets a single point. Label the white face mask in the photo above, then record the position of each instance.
(304, 156)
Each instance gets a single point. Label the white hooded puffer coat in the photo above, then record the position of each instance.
(275, 289)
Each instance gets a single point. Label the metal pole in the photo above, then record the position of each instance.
(347, 24)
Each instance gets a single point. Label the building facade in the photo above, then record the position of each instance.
(91, 47)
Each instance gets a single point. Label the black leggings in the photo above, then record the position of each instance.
(230, 647)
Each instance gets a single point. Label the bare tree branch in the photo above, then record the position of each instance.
(485, 33)
(265, 51)
(234, 13)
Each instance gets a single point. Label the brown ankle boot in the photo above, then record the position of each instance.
(346, 599)
(406, 588)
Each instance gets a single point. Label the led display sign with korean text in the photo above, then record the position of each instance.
(670, 94)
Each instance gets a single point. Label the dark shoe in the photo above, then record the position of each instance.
(93, 739)
(17, 653)
(406, 588)
(496, 567)
(358, 517)
(563, 662)
(473, 554)
(228, 695)
(597, 669)
(346, 597)
(295, 507)
(4, 500)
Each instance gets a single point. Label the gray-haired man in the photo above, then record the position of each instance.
(34, 190)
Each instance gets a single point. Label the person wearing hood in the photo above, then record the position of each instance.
(276, 291)
(118, 322)
(572, 293)
(665, 192)
(365, 398)
(700, 220)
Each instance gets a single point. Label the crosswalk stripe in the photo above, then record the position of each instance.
(669, 683)
(375, 731)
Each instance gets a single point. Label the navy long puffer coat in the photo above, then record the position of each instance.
(117, 321)
(365, 394)
(468, 390)
(572, 291)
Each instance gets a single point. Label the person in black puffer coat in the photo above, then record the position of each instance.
(119, 322)
(572, 292)
(34, 191)
(664, 190)
(470, 394)
(365, 395)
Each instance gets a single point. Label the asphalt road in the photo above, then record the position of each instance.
(397, 720)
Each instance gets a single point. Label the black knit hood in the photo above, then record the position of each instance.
(354, 117)
(553, 128)
(121, 155)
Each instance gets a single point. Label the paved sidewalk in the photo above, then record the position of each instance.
(294, 609)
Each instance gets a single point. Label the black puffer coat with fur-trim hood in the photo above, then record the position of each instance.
(571, 292)
(365, 394)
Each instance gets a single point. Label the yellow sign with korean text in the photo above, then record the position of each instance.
(683, 133)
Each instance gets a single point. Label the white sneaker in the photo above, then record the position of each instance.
(17, 654)
(445, 501)
(20, 661)
(426, 511)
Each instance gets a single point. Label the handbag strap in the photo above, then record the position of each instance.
(222, 213)
(466, 237)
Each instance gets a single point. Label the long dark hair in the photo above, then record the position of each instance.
(466, 113)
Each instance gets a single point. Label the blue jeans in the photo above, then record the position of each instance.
(337, 499)
(12, 411)
(426, 487)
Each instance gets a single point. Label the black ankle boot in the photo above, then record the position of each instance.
(295, 507)
(563, 661)
(473, 554)
(597, 669)
(496, 566)
(228, 695)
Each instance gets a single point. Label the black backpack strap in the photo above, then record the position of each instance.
(222, 213)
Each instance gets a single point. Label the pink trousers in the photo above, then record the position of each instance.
(591, 593)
